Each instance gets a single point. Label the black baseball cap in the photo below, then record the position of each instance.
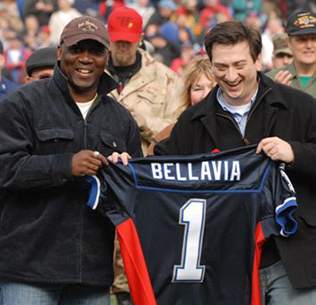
(301, 23)
(40, 58)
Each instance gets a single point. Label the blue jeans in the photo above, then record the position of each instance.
(276, 288)
(15, 293)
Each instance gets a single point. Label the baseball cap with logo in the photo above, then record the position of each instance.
(281, 44)
(83, 28)
(301, 23)
(125, 24)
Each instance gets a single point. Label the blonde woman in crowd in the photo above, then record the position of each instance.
(198, 82)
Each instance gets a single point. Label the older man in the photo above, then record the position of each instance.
(301, 73)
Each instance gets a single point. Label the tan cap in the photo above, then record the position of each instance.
(281, 44)
(83, 28)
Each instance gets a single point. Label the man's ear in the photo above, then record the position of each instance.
(107, 57)
(259, 62)
(59, 52)
(142, 36)
(28, 79)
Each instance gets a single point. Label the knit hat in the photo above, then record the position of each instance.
(169, 31)
(43, 57)
(83, 28)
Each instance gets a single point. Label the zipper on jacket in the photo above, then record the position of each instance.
(244, 139)
(85, 146)
(256, 105)
(232, 120)
(85, 134)
(93, 106)
(80, 237)
(80, 243)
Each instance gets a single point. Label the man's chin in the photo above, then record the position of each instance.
(81, 88)
(122, 61)
(232, 94)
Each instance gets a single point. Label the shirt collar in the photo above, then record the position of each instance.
(235, 109)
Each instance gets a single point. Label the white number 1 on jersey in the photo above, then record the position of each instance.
(192, 216)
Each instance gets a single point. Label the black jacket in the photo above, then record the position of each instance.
(47, 233)
(278, 111)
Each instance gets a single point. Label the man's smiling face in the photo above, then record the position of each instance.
(304, 49)
(83, 64)
(235, 71)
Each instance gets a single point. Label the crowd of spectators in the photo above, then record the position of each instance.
(174, 28)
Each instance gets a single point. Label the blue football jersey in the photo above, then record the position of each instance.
(191, 227)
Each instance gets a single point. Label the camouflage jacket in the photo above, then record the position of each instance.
(153, 96)
(296, 82)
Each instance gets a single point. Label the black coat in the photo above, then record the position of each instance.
(278, 111)
(47, 232)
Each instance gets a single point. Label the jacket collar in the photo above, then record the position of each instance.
(106, 84)
(146, 75)
(274, 97)
(123, 74)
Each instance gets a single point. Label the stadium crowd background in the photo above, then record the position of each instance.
(175, 29)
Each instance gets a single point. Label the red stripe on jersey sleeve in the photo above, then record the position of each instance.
(259, 241)
(135, 266)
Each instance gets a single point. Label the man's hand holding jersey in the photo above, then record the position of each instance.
(87, 162)
(276, 149)
(115, 157)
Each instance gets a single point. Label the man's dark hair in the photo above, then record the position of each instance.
(231, 33)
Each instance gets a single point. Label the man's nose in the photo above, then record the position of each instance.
(286, 60)
(231, 74)
(309, 43)
(123, 44)
(85, 56)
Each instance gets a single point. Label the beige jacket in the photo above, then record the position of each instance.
(152, 96)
